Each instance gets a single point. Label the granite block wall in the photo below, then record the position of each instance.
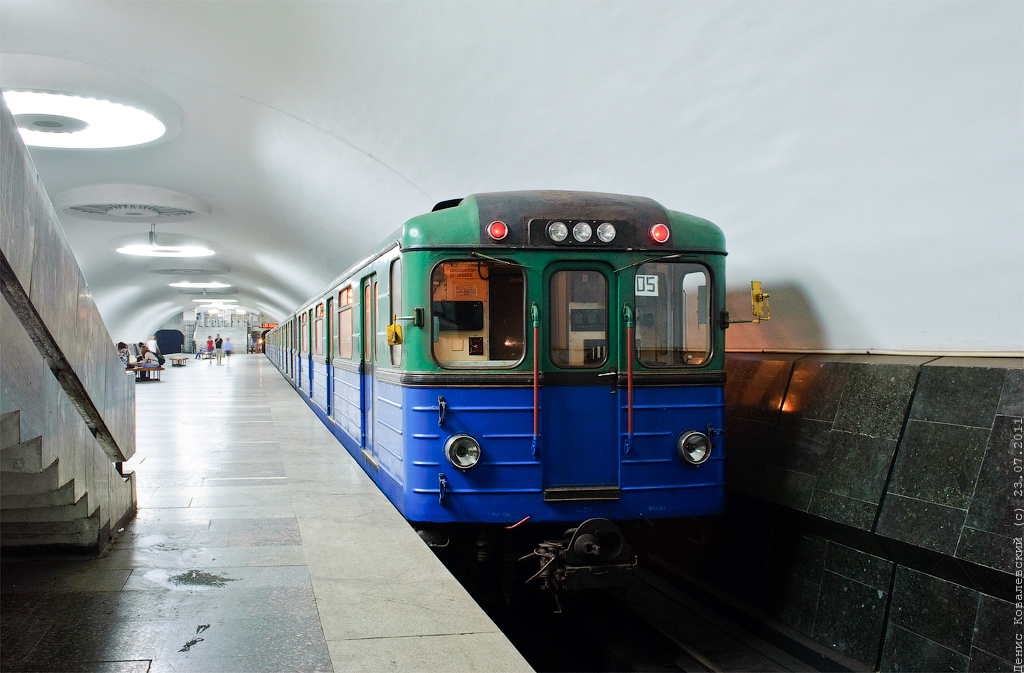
(870, 504)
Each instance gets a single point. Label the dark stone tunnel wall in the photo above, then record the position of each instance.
(870, 505)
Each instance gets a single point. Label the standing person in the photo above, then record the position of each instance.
(219, 349)
(209, 346)
(227, 347)
(151, 344)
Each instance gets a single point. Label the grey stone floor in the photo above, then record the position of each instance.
(259, 546)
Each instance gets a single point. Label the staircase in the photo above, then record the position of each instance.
(61, 493)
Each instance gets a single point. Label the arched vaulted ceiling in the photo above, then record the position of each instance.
(863, 159)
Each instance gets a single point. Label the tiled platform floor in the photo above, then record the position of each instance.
(259, 546)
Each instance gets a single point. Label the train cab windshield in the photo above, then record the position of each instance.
(672, 314)
(478, 314)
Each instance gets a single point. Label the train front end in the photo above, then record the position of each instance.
(570, 362)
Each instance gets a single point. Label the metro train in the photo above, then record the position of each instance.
(528, 361)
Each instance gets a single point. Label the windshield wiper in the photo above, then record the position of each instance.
(650, 259)
(495, 259)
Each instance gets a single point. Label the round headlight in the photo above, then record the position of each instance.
(462, 451)
(582, 232)
(557, 231)
(606, 232)
(693, 447)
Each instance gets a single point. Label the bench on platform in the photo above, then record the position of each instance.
(142, 373)
(178, 360)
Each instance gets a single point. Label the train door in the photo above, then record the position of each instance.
(580, 407)
(369, 337)
(309, 353)
(300, 344)
(328, 354)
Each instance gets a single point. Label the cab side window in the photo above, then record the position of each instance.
(477, 311)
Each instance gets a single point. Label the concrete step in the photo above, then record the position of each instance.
(79, 510)
(80, 533)
(24, 457)
(39, 489)
(10, 429)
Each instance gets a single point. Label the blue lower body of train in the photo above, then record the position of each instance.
(584, 464)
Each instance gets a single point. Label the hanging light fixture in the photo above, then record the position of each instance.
(154, 249)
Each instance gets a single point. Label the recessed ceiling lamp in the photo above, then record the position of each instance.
(77, 122)
(210, 284)
(153, 249)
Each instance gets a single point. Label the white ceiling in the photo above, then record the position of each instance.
(865, 160)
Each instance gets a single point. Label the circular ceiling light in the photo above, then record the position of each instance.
(77, 122)
(211, 284)
(211, 300)
(147, 250)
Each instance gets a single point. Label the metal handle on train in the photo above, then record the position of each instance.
(417, 317)
(535, 317)
(627, 314)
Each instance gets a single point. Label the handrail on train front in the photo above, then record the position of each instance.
(627, 313)
(535, 315)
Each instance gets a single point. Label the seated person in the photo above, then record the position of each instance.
(147, 358)
(127, 358)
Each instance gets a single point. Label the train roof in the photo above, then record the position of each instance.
(460, 225)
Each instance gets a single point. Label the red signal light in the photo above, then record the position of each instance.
(497, 230)
(659, 233)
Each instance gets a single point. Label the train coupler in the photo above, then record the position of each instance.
(595, 555)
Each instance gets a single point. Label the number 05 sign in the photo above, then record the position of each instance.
(646, 286)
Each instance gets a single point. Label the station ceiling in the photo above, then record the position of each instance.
(844, 148)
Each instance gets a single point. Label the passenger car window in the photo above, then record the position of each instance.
(672, 314)
(579, 318)
(477, 314)
(345, 324)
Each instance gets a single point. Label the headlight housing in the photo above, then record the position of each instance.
(693, 447)
(462, 451)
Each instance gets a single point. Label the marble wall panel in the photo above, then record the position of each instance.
(119, 406)
(988, 533)
(1011, 399)
(850, 615)
(754, 389)
(17, 172)
(97, 357)
(797, 566)
(44, 289)
(23, 375)
(756, 384)
(949, 491)
(833, 593)
(959, 391)
(937, 625)
(63, 324)
(78, 354)
(837, 435)
(993, 647)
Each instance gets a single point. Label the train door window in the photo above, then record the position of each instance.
(478, 314)
(303, 336)
(329, 348)
(368, 329)
(579, 318)
(396, 306)
(318, 330)
(345, 323)
(672, 314)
